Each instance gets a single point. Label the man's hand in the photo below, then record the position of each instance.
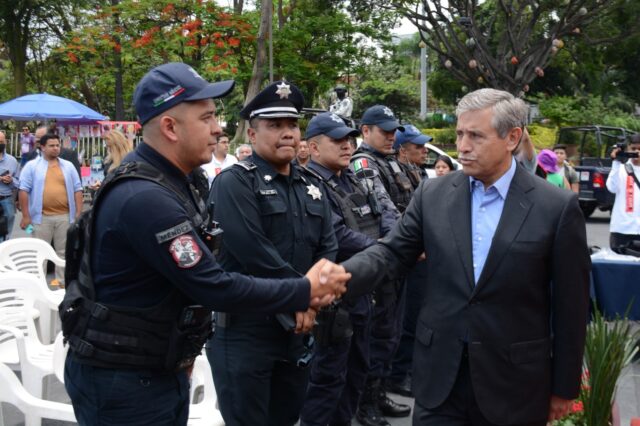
(305, 320)
(26, 221)
(614, 153)
(559, 408)
(328, 282)
(7, 179)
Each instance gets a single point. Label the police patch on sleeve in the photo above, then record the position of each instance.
(185, 251)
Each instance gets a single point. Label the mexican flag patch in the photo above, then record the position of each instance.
(360, 163)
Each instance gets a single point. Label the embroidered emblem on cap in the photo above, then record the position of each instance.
(337, 119)
(284, 90)
(167, 96)
(267, 178)
(185, 251)
(387, 111)
(314, 191)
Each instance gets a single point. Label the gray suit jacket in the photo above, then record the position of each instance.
(524, 322)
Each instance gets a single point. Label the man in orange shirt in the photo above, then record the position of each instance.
(50, 196)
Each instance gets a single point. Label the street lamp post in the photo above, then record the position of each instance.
(423, 80)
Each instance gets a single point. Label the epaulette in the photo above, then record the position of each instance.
(247, 165)
(309, 172)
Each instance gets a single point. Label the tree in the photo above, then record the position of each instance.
(504, 44)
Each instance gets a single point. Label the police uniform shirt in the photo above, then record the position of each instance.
(350, 241)
(275, 225)
(143, 246)
(381, 191)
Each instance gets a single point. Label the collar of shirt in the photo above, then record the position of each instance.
(326, 174)
(501, 185)
(365, 147)
(154, 158)
(265, 168)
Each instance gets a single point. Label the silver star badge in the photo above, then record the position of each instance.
(267, 178)
(284, 90)
(314, 191)
(387, 111)
(336, 119)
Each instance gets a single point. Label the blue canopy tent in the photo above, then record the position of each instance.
(43, 106)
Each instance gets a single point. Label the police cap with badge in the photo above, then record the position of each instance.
(278, 100)
(331, 125)
(167, 85)
(381, 116)
(410, 134)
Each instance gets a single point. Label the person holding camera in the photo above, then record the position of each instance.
(623, 182)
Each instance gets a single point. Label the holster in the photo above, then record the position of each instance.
(333, 325)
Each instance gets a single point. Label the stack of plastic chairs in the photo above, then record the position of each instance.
(30, 255)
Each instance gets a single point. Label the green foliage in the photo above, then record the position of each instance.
(398, 92)
(542, 136)
(609, 347)
(579, 110)
(441, 136)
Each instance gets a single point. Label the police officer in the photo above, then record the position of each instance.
(341, 362)
(378, 125)
(130, 314)
(411, 153)
(277, 222)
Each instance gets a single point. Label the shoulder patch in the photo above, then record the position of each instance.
(185, 251)
(174, 231)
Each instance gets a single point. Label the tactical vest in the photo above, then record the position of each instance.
(414, 173)
(167, 336)
(393, 178)
(358, 214)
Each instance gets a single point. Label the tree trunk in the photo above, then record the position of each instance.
(238, 5)
(257, 76)
(117, 64)
(16, 37)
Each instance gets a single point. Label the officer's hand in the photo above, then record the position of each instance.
(423, 256)
(328, 281)
(305, 320)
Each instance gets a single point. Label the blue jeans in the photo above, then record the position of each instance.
(105, 396)
(10, 212)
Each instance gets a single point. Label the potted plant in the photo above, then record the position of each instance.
(609, 347)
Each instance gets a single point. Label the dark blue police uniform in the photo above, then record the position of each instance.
(145, 250)
(275, 225)
(339, 371)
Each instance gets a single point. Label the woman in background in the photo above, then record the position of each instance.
(444, 165)
(117, 147)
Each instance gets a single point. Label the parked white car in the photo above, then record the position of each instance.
(432, 156)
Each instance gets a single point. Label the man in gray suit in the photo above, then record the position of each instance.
(500, 335)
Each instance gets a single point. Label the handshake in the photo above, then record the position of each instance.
(328, 283)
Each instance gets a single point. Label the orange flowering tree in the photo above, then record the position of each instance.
(132, 36)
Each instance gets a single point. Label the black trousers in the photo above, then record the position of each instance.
(460, 408)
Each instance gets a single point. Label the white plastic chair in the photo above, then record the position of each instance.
(30, 255)
(205, 412)
(59, 357)
(20, 347)
(12, 392)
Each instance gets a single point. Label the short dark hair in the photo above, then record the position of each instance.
(47, 137)
(447, 160)
(560, 146)
(223, 135)
(634, 139)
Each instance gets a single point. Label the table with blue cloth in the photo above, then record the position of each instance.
(615, 284)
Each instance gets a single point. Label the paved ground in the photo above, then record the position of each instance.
(628, 397)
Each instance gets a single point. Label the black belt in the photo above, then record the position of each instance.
(3, 197)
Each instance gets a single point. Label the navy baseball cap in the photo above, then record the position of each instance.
(381, 116)
(329, 124)
(410, 134)
(278, 100)
(167, 85)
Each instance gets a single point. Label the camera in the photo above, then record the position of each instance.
(623, 155)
